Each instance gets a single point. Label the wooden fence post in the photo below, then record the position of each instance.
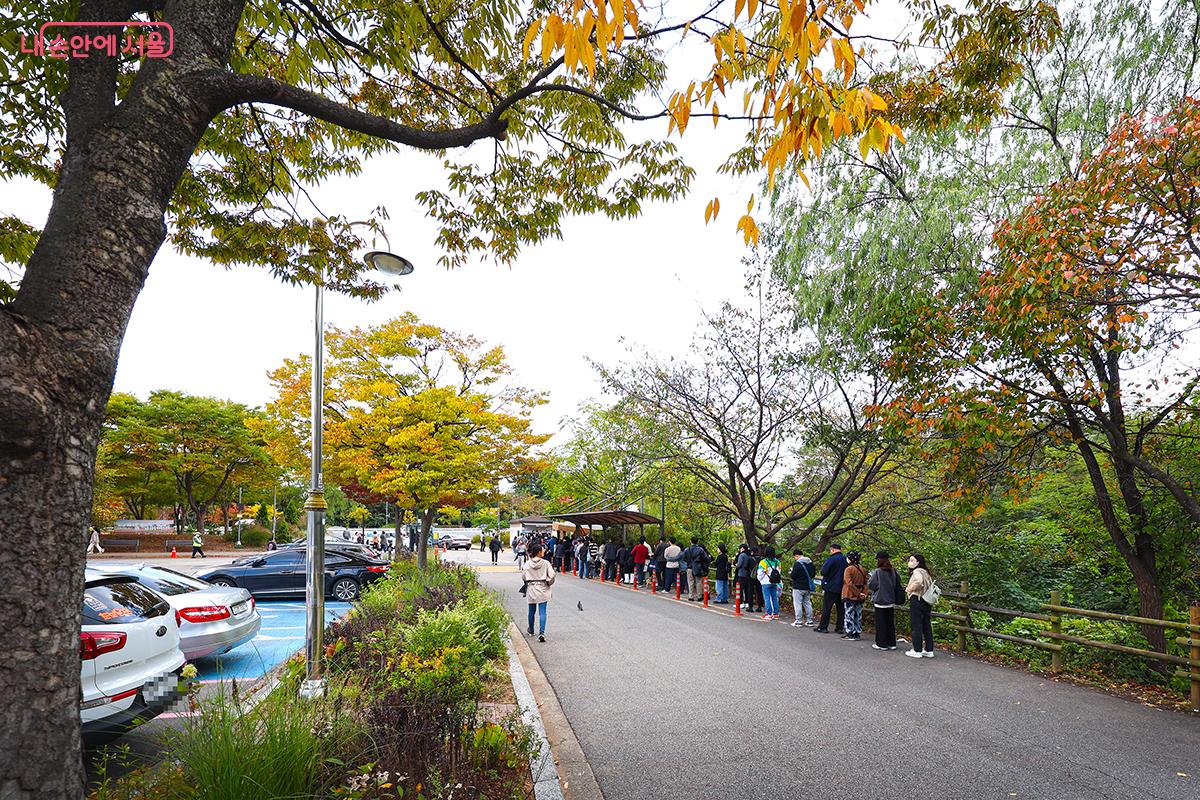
(962, 607)
(1194, 618)
(1055, 627)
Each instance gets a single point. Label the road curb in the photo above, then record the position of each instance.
(561, 770)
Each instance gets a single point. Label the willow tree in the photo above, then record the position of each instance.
(215, 144)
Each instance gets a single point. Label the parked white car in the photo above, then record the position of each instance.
(129, 654)
(212, 619)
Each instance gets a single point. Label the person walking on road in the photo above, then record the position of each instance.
(832, 573)
(886, 594)
(482, 542)
(495, 546)
(198, 545)
(641, 554)
(854, 594)
(520, 548)
(721, 566)
(771, 580)
(698, 560)
(919, 582)
(671, 555)
(94, 542)
(539, 577)
(802, 587)
(660, 563)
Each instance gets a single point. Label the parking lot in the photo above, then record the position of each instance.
(282, 634)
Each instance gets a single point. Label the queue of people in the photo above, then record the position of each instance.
(845, 583)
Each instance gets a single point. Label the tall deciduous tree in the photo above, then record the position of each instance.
(416, 414)
(215, 144)
(202, 445)
(1033, 283)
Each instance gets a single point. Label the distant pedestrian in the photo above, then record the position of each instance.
(721, 574)
(756, 592)
(611, 548)
(698, 560)
(802, 588)
(94, 542)
(198, 545)
(886, 594)
(495, 546)
(682, 574)
(854, 595)
(641, 555)
(671, 554)
(832, 574)
(581, 556)
(539, 577)
(746, 573)
(625, 563)
(561, 546)
(520, 548)
(919, 581)
(660, 563)
(482, 541)
(771, 580)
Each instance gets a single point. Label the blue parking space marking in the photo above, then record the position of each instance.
(282, 634)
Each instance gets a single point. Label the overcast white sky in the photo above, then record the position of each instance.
(204, 330)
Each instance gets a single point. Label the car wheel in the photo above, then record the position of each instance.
(222, 581)
(345, 589)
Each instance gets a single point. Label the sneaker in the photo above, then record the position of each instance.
(854, 638)
(530, 632)
(912, 654)
(541, 637)
(893, 647)
(797, 624)
(877, 647)
(810, 623)
(927, 654)
(820, 630)
(766, 617)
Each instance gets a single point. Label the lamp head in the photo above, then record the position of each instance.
(388, 263)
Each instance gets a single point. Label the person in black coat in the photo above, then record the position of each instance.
(721, 574)
(660, 564)
(746, 567)
(611, 548)
(832, 575)
(625, 563)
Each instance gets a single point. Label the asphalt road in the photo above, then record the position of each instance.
(674, 702)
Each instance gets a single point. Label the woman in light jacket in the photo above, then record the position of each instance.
(539, 577)
(919, 611)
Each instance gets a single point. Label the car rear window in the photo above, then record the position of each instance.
(168, 582)
(120, 602)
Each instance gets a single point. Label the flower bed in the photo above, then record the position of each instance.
(413, 673)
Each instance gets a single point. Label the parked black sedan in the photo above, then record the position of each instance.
(280, 573)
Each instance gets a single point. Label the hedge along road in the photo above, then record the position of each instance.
(670, 700)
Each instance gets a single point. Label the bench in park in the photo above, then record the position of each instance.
(182, 544)
(132, 544)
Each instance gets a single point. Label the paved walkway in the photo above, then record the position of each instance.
(671, 701)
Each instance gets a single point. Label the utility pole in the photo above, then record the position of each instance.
(274, 508)
(662, 512)
(241, 510)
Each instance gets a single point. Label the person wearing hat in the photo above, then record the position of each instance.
(854, 594)
(832, 572)
(886, 594)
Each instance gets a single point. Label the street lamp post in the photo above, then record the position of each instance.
(315, 505)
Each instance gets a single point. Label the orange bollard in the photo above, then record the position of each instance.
(737, 598)
(678, 586)
(653, 582)
(705, 589)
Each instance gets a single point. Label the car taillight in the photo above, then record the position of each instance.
(205, 613)
(377, 569)
(96, 644)
(251, 603)
(178, 619)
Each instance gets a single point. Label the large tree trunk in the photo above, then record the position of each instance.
(61, 336)
(427, 517)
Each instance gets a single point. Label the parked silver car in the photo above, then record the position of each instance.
(212, 619)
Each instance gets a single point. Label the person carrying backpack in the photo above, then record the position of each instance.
(771, 580)
(854, 594)
(886, 594)
(698, 560)
(495, 546)
(802, 588)
(919, 610)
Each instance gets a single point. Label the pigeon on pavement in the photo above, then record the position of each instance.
(580, 605)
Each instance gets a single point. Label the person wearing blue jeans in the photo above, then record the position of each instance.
(539, 577)
(772, 581)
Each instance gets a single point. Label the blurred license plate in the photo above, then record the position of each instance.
(239, 608)
(163, 686)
